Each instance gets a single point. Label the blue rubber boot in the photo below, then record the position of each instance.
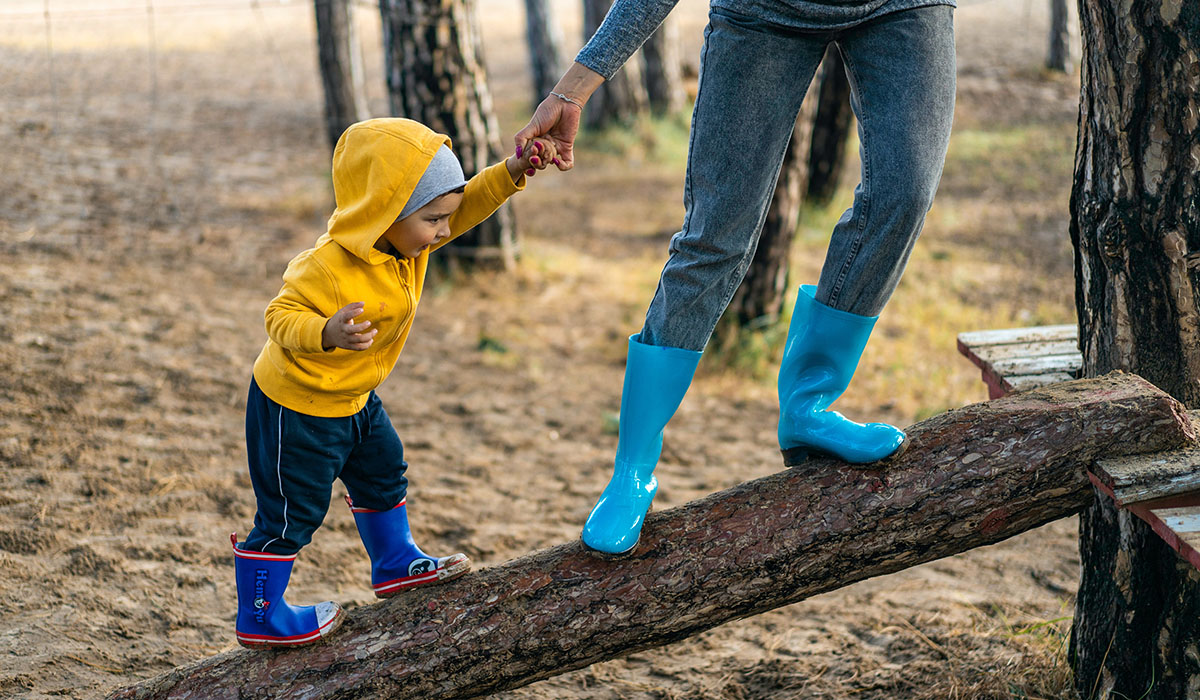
(397, 563)
(656, 378)
(822, 352)
(264, 618)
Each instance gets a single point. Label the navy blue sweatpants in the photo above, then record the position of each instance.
(295, 458)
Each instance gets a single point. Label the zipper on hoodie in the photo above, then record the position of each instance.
(406, 277)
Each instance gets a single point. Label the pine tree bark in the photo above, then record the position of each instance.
(1058, 55)
(972, 476)
(1136, 230)
(340, 59)
(664, 71)
(545, 52)
(759, 299)
(435, 75)
(831, 129)
(622, 98)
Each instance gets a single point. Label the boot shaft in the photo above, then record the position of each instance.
(656, 379)
(262, 579)
(823, 347)
(389, 543)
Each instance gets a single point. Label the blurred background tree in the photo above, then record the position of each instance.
(545, 48)
(340, 57)
(435, 75)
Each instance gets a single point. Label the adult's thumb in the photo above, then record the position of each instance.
(524, 136)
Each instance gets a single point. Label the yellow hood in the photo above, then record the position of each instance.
(376, 166)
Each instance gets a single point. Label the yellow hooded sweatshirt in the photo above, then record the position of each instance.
(376, 166)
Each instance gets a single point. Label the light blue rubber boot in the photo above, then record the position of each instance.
(656, 378)
(822, 352)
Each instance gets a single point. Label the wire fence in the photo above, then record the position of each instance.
(154, 111)
(171, 115)
(181, 113)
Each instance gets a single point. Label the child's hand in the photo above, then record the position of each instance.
(534, 157)
(342, 332)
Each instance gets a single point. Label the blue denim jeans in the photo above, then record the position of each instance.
(753, 77)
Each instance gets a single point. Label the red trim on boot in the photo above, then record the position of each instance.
(356, 509)
(248, 554)
(262, 640)
(388, 589)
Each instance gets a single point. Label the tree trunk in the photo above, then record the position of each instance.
(622, 98)
(972, 476)
(340, 57)
(545, 54)
(759, 298)
(831, 129)
(436, 76)
(1136, 230)
(1058, 55)
(664, 71)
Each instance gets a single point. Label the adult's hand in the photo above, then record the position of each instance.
(556, 119)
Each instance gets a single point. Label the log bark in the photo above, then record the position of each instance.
(973, 476)
(435, 75)
(1136, 230)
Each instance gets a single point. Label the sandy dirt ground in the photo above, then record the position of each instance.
(160, 169)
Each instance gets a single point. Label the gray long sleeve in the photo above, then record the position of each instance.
(630, 22)
(625, 28)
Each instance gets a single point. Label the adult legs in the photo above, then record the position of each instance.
(753, 77)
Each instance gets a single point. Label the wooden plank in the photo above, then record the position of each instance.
(1025, 382)
(1019, 359)
(1148, 477)
(1163, 475)
(1009, 351)
(1008, 336)
(1161, 488)
(1070, 364)
(1179, 528)
(1134, 480)
(1175, 519)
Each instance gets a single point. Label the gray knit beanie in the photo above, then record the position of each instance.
(443, 175)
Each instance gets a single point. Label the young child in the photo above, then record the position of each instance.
(335, 331)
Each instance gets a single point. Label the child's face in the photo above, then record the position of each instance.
(424, 227)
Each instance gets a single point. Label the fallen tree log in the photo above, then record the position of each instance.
(972, 476)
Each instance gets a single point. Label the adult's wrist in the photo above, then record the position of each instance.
(577, 85)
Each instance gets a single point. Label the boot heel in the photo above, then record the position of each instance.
(794, 456)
